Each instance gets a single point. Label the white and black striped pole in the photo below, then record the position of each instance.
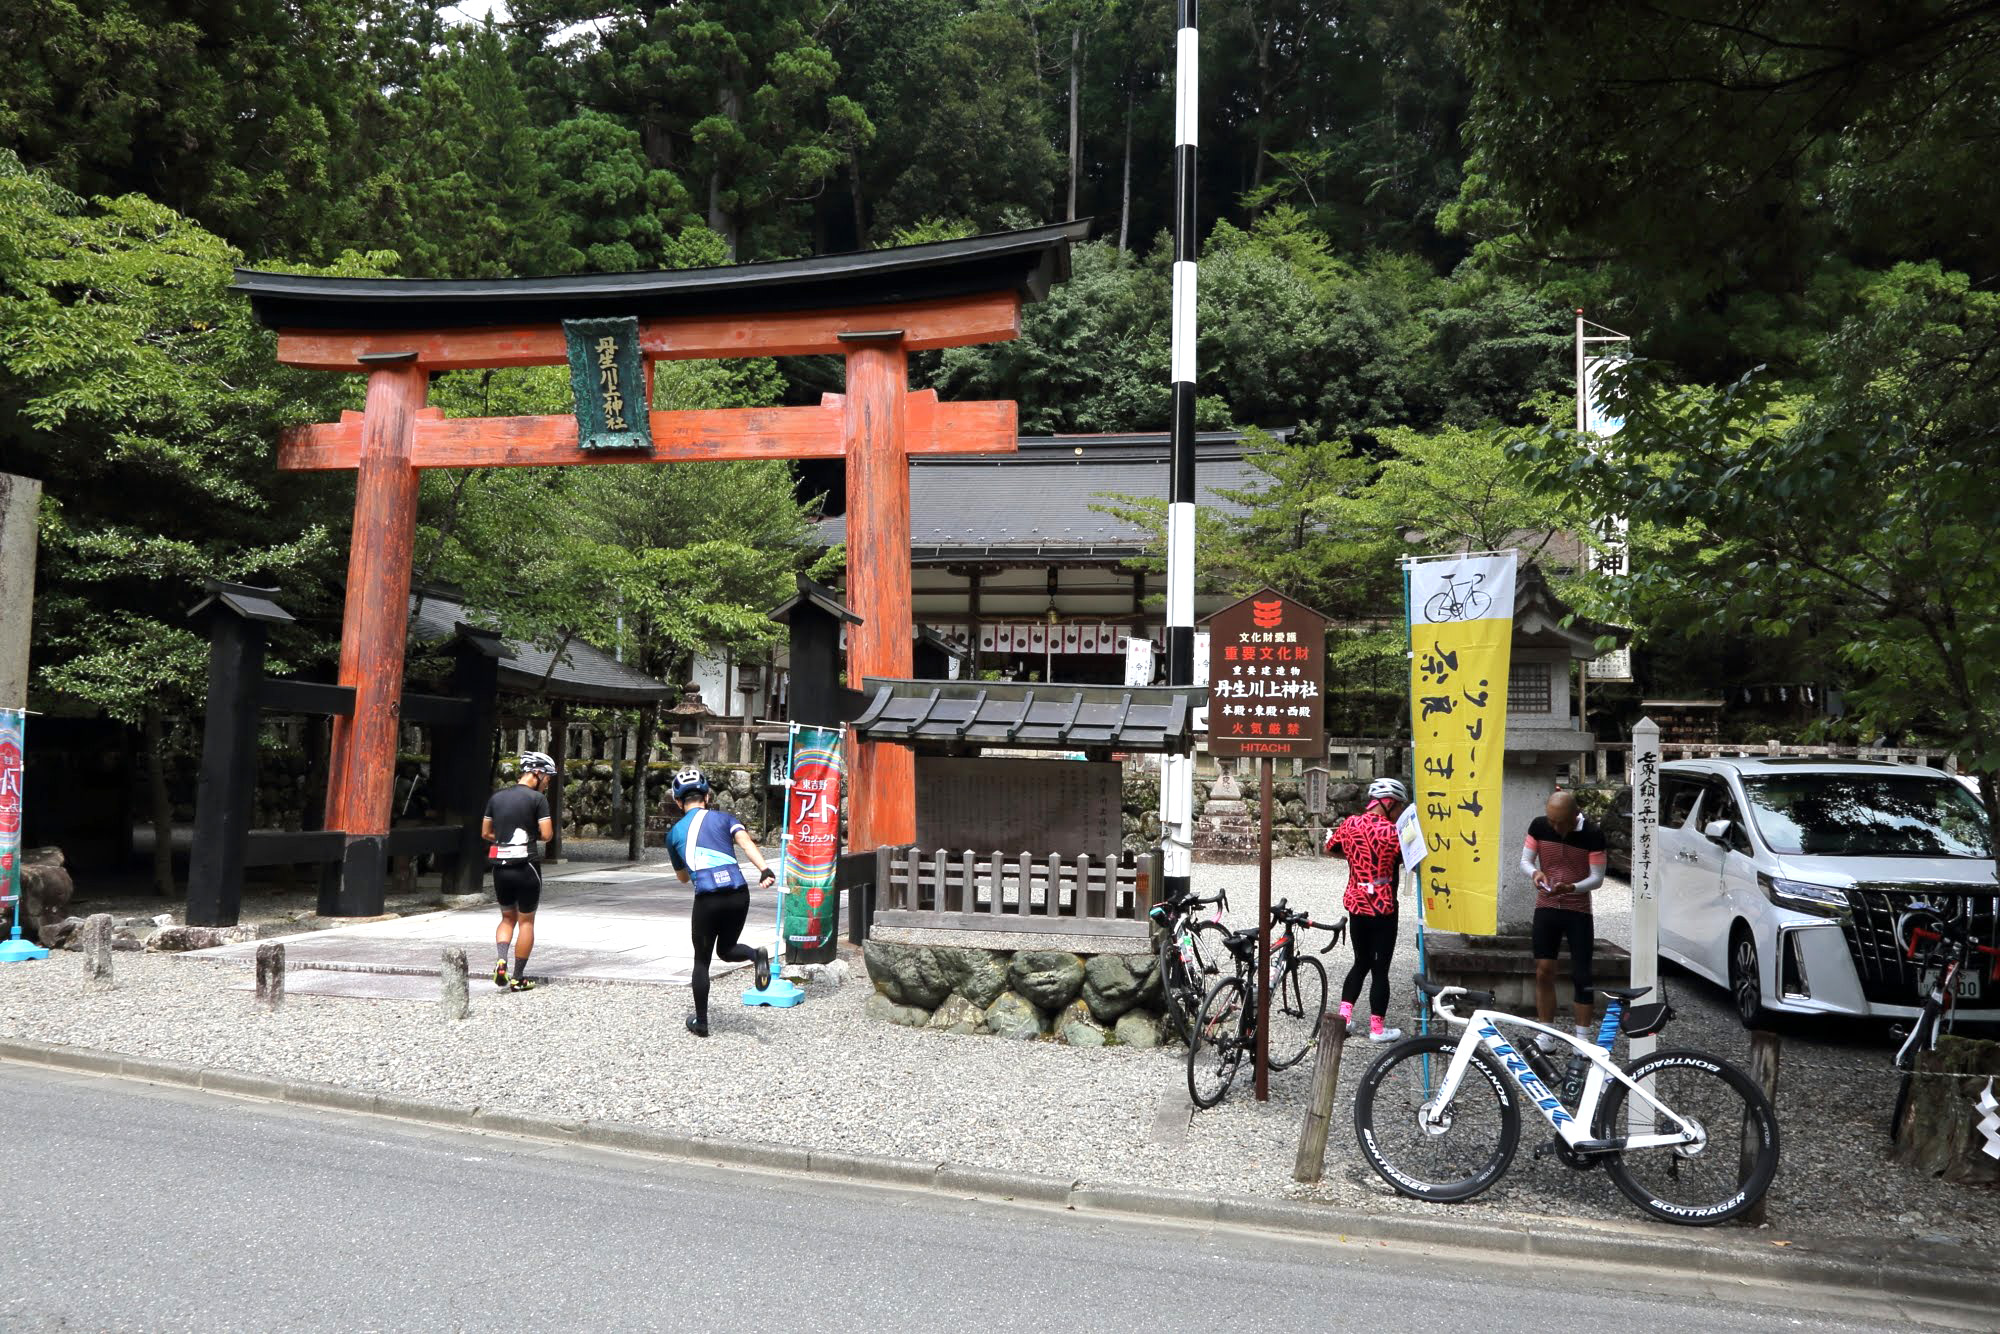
(1177, 771)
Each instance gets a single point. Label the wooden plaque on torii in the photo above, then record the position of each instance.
(872, 308)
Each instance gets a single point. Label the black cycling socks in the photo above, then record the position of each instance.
(500, 948)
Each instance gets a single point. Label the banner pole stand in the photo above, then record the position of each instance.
(13, 746)
(782, 994)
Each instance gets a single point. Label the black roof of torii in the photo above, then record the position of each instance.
(1028, 262)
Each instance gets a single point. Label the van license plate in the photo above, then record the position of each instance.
(1968, 983)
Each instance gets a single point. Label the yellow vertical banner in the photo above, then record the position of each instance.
(1461, 636)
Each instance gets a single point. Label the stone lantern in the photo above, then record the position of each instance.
(686, 720)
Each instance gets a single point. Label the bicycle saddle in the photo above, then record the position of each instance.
(1627, 994)
(1242, 943)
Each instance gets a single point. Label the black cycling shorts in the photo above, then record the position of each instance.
(1555, 925)
(518, 885)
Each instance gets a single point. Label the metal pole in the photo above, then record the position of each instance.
(1177, 771)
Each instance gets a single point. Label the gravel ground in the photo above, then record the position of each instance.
(820, 1075)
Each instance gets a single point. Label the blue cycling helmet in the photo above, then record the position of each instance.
(689, 780)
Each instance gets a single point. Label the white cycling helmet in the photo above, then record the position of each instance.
(534, 762)
(1390, 788)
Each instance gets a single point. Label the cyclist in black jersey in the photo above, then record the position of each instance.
(515, 816)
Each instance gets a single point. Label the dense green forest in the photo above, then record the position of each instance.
(1403, 201)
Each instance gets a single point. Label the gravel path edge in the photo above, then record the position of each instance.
(1890, 1270)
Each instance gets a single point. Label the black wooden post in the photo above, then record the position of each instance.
(559, 752)
(225, 800)
(814, 617)
(462, 757)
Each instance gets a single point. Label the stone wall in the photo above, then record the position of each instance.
(1083, 1000)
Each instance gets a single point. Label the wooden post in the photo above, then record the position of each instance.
(1764, 1053)
(271, 974)
(362, 777)
(1264, 932)
(559, 752)
(881, 777)
(642, 752)
(1311, 1162)
(226, 792)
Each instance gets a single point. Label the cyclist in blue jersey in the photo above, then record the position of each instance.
(703, 845)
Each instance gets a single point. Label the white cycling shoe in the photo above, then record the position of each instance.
(1386, 1035)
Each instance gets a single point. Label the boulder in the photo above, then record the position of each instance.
(888, 1011)
(739, 782)
(1109, 988)
(958, 1015)
(1147, 969)
(126, 940)
(46, 890)
(1137, 1029)
(906, 974)
(1048, 978)
(978, 975)
(61, 935)
(1077, 1029)
(1343, 794)
(1015, 1016)
(176, 938)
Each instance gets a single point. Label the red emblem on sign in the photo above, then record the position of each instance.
(1267, 615)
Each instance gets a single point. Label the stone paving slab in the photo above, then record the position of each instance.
(595, 924)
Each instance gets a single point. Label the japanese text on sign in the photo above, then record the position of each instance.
(1266, 675)
(607, 372)
(1461, 628)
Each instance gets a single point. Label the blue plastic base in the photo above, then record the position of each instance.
(20, 951)
(781, 994)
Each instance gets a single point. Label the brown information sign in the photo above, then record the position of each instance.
(1266, 678)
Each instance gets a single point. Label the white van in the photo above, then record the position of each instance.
(1782, 879)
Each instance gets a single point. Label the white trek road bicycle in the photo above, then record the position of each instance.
(1439, 1116)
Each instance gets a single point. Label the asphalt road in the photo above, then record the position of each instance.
(132, 1207)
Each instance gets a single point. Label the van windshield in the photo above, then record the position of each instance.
(1862, 815)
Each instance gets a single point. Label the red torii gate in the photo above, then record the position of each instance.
(872, 308)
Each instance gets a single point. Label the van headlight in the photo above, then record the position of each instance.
(1804, 896)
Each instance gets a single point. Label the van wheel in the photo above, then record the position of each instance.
(1746, 983)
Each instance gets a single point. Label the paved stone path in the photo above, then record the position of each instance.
(596, 924)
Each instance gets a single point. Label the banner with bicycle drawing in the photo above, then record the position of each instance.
(1461, 615)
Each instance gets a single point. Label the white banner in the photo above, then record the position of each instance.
(1462, 588)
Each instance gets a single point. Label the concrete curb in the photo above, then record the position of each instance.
(1702, 1253)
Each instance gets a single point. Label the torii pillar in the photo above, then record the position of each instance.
(882, 778)
(873, 309)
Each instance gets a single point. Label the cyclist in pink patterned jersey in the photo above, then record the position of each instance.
(1373, 855)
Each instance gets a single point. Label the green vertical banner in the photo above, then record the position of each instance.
(812, 844)
(13, 747)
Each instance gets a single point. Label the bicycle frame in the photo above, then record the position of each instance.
(1573, 1127)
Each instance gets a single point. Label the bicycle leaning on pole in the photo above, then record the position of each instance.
(1225, 1031)
(1688, 1137)
(1190, 953)
(1948, 949)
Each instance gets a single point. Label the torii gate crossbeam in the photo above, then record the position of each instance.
(873, 309)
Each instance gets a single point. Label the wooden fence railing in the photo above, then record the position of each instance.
(1017, 893)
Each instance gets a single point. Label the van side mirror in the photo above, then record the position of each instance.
(1717, 831)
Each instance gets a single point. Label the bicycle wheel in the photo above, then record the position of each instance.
(1296, 1007)
(1220, 1037)
(1705, 1182)
(1182, 989)
(1457, 1152)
